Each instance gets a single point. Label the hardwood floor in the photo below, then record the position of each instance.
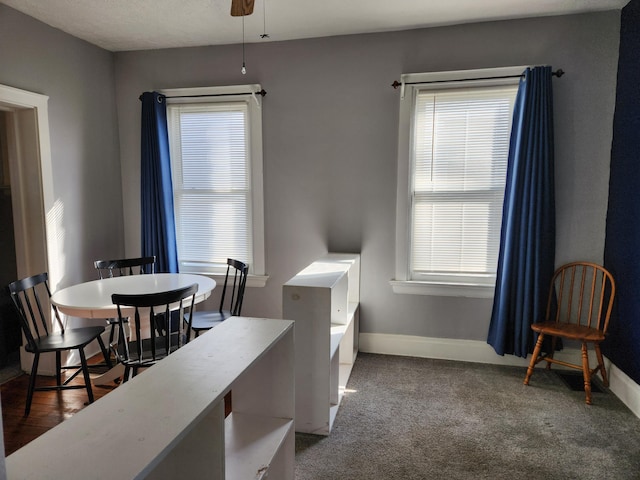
(48, 409)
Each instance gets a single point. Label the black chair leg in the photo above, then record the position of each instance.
(112, 337)
(112, 331)
(105, 352)
(85, 373)
(32, 383)
(58, 368)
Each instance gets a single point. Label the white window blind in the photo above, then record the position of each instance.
(460, 144)
(212, 184)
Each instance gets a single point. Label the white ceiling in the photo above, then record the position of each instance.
(118, 25)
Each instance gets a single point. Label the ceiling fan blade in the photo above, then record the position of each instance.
(241, 8)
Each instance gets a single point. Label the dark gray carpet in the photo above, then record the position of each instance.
(413, 418)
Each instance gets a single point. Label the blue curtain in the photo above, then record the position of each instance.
(158, 225)
(527, 243)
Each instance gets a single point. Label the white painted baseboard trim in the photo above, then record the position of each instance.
(624, 387)
(480, 352)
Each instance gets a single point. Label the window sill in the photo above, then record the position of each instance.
(442, 289)
(257, 280)
(252, 280)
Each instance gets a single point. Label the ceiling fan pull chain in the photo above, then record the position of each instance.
(244, 68)
(264, 20)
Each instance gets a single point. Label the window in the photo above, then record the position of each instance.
(454, 144)
(216, 164)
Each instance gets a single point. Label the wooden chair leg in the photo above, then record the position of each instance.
(586, 373)
(553, 349)
(32, 383)
(603, 371)
(534, 358)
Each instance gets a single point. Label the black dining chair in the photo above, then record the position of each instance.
(119, 268)
(31, 298)
(233, 289)
(153, 332)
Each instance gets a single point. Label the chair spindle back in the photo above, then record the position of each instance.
(30, 297)
(125, 266)
(584, 295)
(157, 332)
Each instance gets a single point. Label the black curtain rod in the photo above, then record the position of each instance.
(261, 93)
(558, 73)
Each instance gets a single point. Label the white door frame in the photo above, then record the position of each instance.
(30, 164)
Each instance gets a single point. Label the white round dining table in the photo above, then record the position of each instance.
(93, 299)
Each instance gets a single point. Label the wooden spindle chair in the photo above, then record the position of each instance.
(579, 307)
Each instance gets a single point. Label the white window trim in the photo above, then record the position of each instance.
(410, 83)
(257, 276)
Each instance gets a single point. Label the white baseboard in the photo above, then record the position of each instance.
(447, 349)
(624, 387)
(480, 352)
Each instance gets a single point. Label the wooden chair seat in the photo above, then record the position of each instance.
(569, 331)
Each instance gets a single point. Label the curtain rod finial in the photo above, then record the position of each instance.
(395, 84)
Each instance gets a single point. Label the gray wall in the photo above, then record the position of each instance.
(330, 137)
(79, 80)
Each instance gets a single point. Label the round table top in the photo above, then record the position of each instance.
(93, 299)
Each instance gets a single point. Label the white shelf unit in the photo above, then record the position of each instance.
(168, 422)
(323, 300)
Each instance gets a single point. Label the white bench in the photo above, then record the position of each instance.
(168, 422)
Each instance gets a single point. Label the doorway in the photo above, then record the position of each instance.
(25, 127)
(10, 335)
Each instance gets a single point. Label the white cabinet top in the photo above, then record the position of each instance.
(127, 432)
(326, 271)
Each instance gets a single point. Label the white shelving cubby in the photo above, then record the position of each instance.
(323, 300)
